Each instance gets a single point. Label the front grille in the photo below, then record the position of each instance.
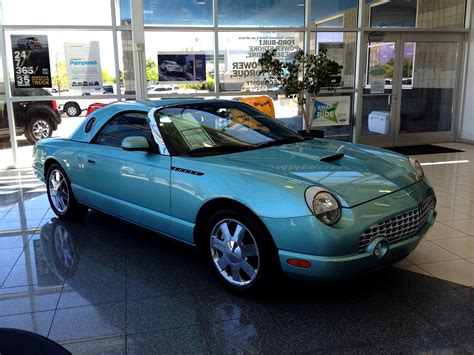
(400, 227)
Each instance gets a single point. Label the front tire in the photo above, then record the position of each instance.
(38, 128)
(239, 251)
(60, 195)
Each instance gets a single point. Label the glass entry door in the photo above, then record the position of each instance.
(409, 86)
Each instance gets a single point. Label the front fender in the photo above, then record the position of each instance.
(266, 194)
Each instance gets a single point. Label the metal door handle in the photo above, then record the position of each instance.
(390, 100)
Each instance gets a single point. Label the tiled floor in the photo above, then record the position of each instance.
(104, 286)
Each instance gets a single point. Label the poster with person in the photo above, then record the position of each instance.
(31, 61)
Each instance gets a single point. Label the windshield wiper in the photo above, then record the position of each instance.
(281, 141)
(221, 149)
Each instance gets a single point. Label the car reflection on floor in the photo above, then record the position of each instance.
(101, 284)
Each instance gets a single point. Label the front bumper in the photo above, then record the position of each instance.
(335, 251)
(330, 267)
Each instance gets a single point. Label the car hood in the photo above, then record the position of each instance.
(356, 173)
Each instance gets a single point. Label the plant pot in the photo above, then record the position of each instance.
(314, 133)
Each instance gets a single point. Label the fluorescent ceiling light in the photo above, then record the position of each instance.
(446, 162)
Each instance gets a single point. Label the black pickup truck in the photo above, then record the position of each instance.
(34, 119)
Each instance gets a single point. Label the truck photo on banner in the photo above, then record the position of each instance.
(181, 67)
(332, 111)
(31, 61)
(84, 71)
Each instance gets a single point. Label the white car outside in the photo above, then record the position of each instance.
(169, 66)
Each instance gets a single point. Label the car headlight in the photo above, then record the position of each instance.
(417, 166)
(324, 205)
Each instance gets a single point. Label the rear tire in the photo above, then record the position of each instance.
(60, 195)
(72, 109)
(239, 251)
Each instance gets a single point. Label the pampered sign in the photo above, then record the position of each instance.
(31, 61)
(84, 71)
(332, 111)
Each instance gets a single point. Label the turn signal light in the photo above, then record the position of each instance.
(299, 263)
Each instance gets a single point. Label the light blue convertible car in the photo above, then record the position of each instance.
(254, 196)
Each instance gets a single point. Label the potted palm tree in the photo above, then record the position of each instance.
(301, 78)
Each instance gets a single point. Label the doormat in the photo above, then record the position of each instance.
(423, 149)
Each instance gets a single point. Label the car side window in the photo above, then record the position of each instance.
(123, 126)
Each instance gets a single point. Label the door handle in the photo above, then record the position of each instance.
(91, 161)
(390, 100)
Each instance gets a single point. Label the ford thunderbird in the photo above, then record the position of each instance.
(254, 196)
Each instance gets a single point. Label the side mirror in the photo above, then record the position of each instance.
(135, 143)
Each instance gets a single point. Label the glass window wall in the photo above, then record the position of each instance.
(57, 12)
(179, 63)
(339, 13)
(261, 13)
(415, 13)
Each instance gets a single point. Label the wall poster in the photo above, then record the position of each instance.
(84, 72)
(31, 61)
(332, 111)
(181, 68)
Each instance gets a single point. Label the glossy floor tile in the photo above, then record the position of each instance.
(100, 286)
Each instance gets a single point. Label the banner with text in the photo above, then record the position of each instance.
(84, 71)
(332, 111)
(241, 59)
(31, 61)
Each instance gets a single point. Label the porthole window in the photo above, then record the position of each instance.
(89, 125)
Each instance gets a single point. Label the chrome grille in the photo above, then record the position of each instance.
(400, 227)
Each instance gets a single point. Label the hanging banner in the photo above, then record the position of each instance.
(31, 61)
(84, 72)
(332, 111)
(181, 68)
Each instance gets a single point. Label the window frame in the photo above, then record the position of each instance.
(153, 146)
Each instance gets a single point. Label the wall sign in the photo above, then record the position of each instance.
(332, 111)
(181, 68)
(84, 72)
(31, 61)
(242, 55)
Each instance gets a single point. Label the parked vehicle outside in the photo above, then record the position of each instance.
(29, 43)
(35, 119)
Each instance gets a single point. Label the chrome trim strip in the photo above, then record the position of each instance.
(155, 130)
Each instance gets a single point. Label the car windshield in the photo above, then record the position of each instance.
(210, 128)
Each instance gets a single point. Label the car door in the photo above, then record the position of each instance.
(134, 185)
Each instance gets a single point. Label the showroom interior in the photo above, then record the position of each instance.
(100, 284)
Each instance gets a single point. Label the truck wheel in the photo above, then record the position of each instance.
(38, 128)
(72, 109)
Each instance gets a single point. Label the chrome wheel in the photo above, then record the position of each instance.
(64, 246)
(58, 191)
(234, 252)
(41, 129)
(72, 111)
